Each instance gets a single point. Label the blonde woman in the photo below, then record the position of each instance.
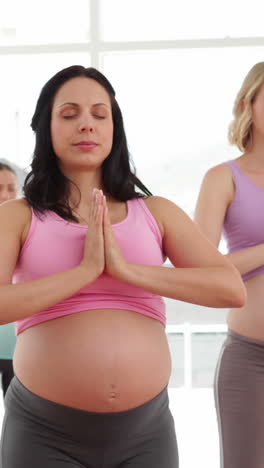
(231, 201)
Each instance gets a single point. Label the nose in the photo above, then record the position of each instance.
(86, 123)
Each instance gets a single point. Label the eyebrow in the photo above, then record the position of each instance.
(76, 105)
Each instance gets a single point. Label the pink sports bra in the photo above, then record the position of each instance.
(54, 245)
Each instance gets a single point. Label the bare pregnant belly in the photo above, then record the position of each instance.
(102, 360)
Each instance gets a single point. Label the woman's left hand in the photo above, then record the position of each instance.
(115, 263)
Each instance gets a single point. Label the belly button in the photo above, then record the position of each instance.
(113, 395)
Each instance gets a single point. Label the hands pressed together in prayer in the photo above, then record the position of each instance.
(102, 252)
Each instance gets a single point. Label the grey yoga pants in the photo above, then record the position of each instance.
(239, 398)
(38, 433)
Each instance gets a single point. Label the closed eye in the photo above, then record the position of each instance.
(75, 115)
(69, 116)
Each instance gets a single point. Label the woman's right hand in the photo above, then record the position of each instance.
(93, 255)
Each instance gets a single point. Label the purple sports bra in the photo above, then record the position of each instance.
(244, 220)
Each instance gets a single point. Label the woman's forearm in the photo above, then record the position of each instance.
(21, 300)
(210, 286)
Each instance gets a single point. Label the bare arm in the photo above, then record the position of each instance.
(201, 274)
(22, 300)
(216, 193)
(18, 301)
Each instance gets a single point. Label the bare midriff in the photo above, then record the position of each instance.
(99, 360)
(249, 320)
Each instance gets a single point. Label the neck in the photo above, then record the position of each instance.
(81, 188)
(256, 152)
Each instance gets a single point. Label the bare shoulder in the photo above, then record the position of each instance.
(18, 206)
(158, 204)
(15, 213)
(218, 181)
(162, 208)
(219, 174)
(15, 219)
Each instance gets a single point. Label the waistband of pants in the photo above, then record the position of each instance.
(244, 339)
(22, 401)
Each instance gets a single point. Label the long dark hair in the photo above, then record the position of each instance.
(45, 187)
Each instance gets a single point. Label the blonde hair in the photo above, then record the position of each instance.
(240, 129)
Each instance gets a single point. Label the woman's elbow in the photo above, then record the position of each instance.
(237, 290)
(239, 297)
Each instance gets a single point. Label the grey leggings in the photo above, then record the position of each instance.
(42, 434)
(239, 398)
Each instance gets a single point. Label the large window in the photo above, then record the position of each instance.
(22, 76)
(177, 106)
(130, 20)
(50, 22)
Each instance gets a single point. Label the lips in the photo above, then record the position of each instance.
(86, 144)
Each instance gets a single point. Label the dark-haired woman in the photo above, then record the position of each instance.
(86, 248)
(8, 191)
